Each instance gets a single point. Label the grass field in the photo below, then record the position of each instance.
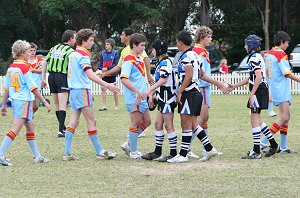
(223, 176)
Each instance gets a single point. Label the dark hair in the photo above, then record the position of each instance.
(281, 37)
(160, 46)
(32, 45)
(84, 35)
(136, 39)
(128, 31)
(67, 35)
(185, 37)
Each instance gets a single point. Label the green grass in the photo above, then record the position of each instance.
(223, 176)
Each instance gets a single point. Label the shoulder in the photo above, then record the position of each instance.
(22, 65)
(279, 54)
(200, 51)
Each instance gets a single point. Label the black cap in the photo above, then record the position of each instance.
(161, 47)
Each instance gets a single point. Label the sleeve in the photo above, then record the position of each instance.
(28, 80)
(6, 82)
(165, 71)
(100, 65)
(186, 61)
(126, 69)
(120, 62)
(85, 63)
(284, 67)
(47, 58)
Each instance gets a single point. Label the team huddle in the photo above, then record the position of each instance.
(190, 94)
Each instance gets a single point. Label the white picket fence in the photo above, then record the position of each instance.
(229, 78)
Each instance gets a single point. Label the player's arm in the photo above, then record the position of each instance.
(44, 70)
(126, 82)
(4, 100)
(186, 81)
(219, 84)
(293, 77)
(39, 96)
(152, 89)
(114, 70)
(148, 70)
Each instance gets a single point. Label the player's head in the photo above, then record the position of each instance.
(252, 43)
(183, 39)
(201, 33)
(160, 46)
(33, 48)
(281, 37)
(136, 39)
(20, 48)
(126, 32)
(68, 37)
(84, 35)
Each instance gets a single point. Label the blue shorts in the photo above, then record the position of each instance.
(142, 107)
(278, 103)
(80, 98)
(22, 109)
(206, 92)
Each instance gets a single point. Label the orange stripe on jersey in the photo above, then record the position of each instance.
(70, 129)
(22, 65)
(92, 132)
(138, 64)
(133, 130)
(30, 136)
(201, 51)
(11, 134)
(83, 51)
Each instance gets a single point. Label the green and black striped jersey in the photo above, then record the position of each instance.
(58, 58)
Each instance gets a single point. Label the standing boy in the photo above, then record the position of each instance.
(80, 74)
(280, 78)
(57, 64)
(259, 97)
(133, 77)
(20, 87)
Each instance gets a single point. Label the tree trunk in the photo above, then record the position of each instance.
(266, 25)
(283, 16)
(205, 6)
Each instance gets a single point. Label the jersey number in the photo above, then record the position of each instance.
(14, 82)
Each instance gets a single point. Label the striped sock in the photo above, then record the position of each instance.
(159, 139)
(196, 131)
(283, 136)
(268, 136)
(141, 128)
(205, 128)
(133, 138)
(172, 137)
(186, 141)
(204, 140)
(274, 128)
(8, 139)
(30, 137)
(68, 140)
(256, 139)
(95, 140)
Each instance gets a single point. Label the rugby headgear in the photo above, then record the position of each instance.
(253, 42)
(160, 46)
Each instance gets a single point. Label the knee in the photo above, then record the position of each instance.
(285, 117)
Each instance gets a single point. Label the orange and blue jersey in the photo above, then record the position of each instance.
(18, 81)
(204, 56)
(133, 68)
(278, 68)
(79, 62)
(37, 78)
(108, 60)
(189, 57)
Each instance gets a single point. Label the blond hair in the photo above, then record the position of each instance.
(202, 32)
(19, 47)
(222, 61)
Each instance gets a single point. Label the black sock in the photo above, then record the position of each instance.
(205, 141)
(158, 150)
(62, 118)
(256, 149)
(173, 152)
(273, 143)
(57, 115)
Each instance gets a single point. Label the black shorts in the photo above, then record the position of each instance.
(262, 100)
(166, 108)
(58, 83)
(110, 79)
(191, 103)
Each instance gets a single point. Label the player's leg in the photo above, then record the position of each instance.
(103, 96)
(135, 121)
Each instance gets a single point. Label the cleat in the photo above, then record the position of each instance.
(40, 159)
(191, 154)
(286, 151)
(69, 158)
(61, 134)
(135, 155)
(5, 162)
(272, 113)
(151, 156)
(126, 148)
(143, 134)
(178, 159)
(264, 148)
(106, 155)
(165, 158)
(271, 151)
(252, 155)
(209, 154)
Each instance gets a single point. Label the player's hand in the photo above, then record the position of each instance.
(145, 94)
(251, 101)
(44, 84)
(150, 80)
(48, 106)
(138, 98)
(179, 98)
(104, 70)
(230, 87)
(113, 88)
(99, 73)
(3, 111)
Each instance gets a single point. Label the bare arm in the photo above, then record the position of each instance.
(293, 77)
(148, 70)
(219, 84)
(111, 72)
(126, 82)
(159, 83)
(37, 93)
(5, 97)
(44, 70)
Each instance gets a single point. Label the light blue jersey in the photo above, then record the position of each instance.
(189, 58)
(278, 67)
(133, 68)
(79, 62)
(18, 81)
